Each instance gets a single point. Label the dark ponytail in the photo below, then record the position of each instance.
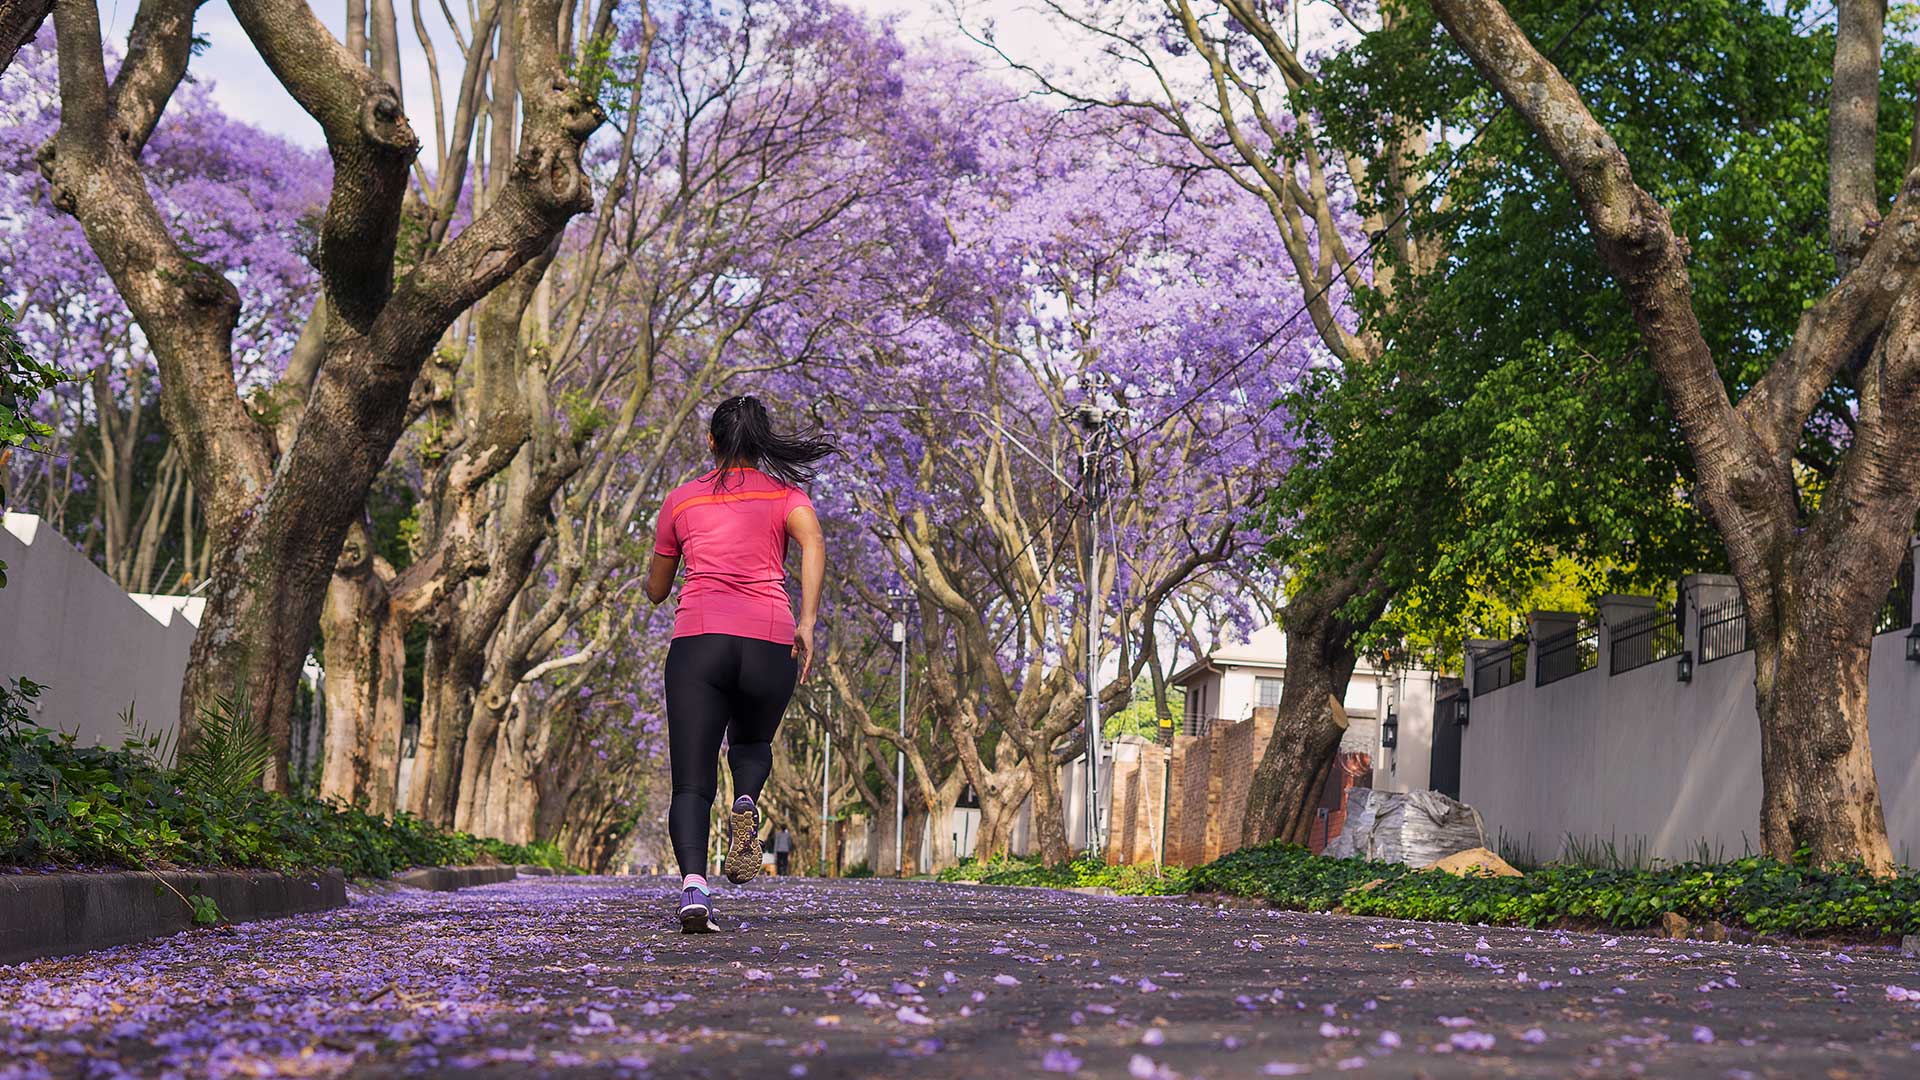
(743, 435)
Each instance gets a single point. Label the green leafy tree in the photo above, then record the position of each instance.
(22, 380)
(1801, 433)
(1510, 445)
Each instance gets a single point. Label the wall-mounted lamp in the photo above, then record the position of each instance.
(1686, 667)
(1913, 644)
(1460, 713)
(1390, 730)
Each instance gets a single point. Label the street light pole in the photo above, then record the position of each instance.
(1093, 673)
(1093, 421)
(900, 751)
(826, 784)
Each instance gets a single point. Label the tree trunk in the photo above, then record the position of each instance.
(446, 690)
(880, 841)
(478, 761)
(1820, 794)
(999, 814)
(942, 844)
(1286, 784)
(1811, 648)
(1049, 816)
(1307, 729)
(915, 833)
(365, 659)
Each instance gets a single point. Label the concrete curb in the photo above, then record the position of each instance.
(529, 870)
(45, 915)
(449, 878)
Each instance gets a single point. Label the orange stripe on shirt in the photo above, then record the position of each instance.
(698, 500)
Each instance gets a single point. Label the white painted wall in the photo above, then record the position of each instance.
(65, 624)
(1643, 755)
(1409, 766)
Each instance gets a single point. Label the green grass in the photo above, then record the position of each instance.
(1081, 873)
(1756, 894)
(69, 806)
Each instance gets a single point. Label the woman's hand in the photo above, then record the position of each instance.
(803, 647)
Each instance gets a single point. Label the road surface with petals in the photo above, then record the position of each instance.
(590, 976)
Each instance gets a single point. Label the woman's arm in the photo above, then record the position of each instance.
(660, 576)
(804, 526)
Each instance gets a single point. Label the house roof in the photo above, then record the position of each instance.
(1265, 650)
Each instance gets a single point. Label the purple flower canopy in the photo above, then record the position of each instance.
(238, 198)
(910, 252)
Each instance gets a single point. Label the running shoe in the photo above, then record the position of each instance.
(743, 842)
(696, 912)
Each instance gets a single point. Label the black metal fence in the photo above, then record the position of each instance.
(1642, 640)
(1570, 652)
(1723, 630)
(1500, 667)
(1897, 612)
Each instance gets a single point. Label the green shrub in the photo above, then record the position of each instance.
(1757, 894)
(859, 870)
(68, 805)
(1080, 873)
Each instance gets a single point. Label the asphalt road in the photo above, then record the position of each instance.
(883, 979)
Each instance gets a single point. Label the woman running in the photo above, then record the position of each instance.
(737, 649)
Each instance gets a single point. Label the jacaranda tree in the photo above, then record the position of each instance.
(109, 476)
(1067, 274)
(280, 488)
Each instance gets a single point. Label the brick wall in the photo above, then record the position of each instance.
(1187, 800)
(1350, 771)
(1208, 804)
(1130, 826)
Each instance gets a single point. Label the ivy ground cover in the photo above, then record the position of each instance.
(1754, 894)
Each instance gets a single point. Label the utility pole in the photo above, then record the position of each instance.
(1094, 427)
(826, 784)
(900, 748)
(1166, 789)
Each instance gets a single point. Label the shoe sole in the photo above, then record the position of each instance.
(697, 921)
(743, 850)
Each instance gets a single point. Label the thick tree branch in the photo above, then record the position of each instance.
(369, 138)
(19, 21)
(1852, 127)
(186, 308)
(158, 49)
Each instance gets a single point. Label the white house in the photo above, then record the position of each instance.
(1229, 683)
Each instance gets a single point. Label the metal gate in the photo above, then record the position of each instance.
(1444, 776)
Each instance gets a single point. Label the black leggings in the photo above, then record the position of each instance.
(719, 684)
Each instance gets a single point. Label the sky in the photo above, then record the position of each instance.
(247, 91)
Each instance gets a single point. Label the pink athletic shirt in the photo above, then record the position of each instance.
(734, 542)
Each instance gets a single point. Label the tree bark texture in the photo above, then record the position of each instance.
(1320, 631)
(19, 21)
